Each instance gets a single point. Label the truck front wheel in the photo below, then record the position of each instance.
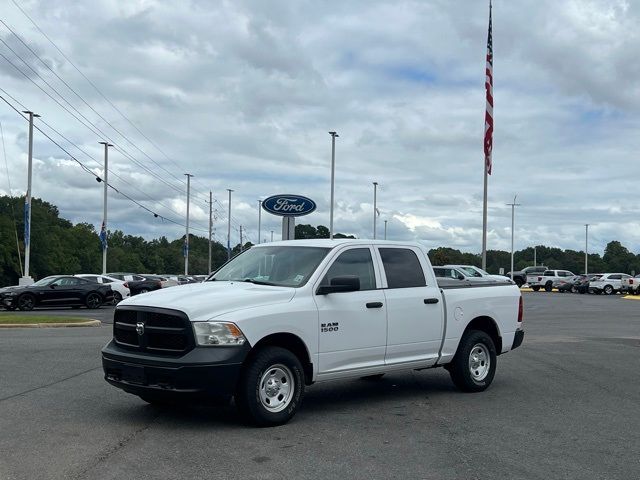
(474, 365)
(271, 387)
(536, 288)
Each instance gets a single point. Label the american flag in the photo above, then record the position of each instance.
(488, 116)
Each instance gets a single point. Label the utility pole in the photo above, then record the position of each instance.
(375, 208)
(535, 260)
(229, 227)
(240, 238)
(103, 230)
(210, 226)
(333, 171)
(26, 279)
(513, 211)
(186, 237)
(272, 235)
(385, 229)
(259, 219)
(586, 248)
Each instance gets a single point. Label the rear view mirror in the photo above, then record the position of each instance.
(344, 283)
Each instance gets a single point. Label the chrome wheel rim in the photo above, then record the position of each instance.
(479, 362)
(93, 301)
(276, 388)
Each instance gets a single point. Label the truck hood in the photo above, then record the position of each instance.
(203, 301)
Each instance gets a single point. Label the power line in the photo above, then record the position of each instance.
(13, 211)
(90, 172)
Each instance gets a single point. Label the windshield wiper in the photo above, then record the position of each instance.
(257, 282)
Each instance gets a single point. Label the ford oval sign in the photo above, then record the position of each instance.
(289, 205)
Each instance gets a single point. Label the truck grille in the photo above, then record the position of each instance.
(153, 330)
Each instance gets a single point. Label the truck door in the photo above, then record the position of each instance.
(353, 325)
(414, 309)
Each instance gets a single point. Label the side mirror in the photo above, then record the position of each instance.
(460, 277)
(52, 286)
(345, 283)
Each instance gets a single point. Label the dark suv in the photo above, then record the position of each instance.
(520, 277)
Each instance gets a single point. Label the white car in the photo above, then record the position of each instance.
(607, 283)
(477, 272)
(120, 289)
(284, 315)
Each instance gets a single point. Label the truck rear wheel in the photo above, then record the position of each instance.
(474, 365)
(535, 289)
(271, 387)
(548, 287)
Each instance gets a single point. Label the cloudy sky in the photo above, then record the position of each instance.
(241, 94)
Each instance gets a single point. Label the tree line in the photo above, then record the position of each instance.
(60, 247)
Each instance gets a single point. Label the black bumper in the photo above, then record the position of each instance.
(517, 340)
(201, 372)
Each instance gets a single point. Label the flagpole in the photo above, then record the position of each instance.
(484, 221)
(488, 137)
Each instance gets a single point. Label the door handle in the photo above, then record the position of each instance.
(374, 305)
(430, 300)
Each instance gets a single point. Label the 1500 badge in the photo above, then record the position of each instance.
(329, 327)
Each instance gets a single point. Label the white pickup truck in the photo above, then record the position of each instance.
(284, 315)
(547, 279)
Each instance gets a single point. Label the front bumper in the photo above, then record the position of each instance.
(517, 339)
(201, 372)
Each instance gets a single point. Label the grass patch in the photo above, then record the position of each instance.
(27, 319)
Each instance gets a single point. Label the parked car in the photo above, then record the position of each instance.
(165, 281)
(568, 284)
(520, 277)
(547, 279)
(607, 283)
(120, 288)
(477, 272)
(137, 283)
(582, 284)
(57, 291)
(262, 330)
(630, 285)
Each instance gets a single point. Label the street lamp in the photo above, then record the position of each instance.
(513, 210)
(375, 208)
(333, 172)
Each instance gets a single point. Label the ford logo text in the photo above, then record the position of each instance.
(289, 205)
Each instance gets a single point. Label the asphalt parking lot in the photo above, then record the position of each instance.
(564, 405)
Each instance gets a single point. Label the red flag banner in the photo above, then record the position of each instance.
(488, 116)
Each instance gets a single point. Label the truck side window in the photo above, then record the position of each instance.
(402, 268)
(356, 262)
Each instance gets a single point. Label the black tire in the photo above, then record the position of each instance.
(548, 287)
(143, 290)
(536, 288)
(117, 298)
(461, 366)
(10, 308)
(608, 290)
(519, 282)
(26, 302)
(375, 377)
(263, 367)
(93, 300)
(574, 289)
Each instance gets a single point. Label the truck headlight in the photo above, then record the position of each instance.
(217, 333)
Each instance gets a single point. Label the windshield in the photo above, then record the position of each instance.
(285, 266)
(44, 282)
(473, 271)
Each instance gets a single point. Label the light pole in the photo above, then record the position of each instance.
(535, 260)
(513, 213)
(229, 227)
(272, 235)
(186, 237)
(259, 219)
(333, 173)
(26, 279)
(210, 228)
(375, 208)
(103, 230)
(385, 229)
(586, 248)
(240, 238)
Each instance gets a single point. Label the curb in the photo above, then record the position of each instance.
(630, 297)
(90, 323)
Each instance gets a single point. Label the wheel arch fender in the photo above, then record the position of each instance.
(291, 342)
(488, 325)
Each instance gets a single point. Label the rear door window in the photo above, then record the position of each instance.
(402, 268)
